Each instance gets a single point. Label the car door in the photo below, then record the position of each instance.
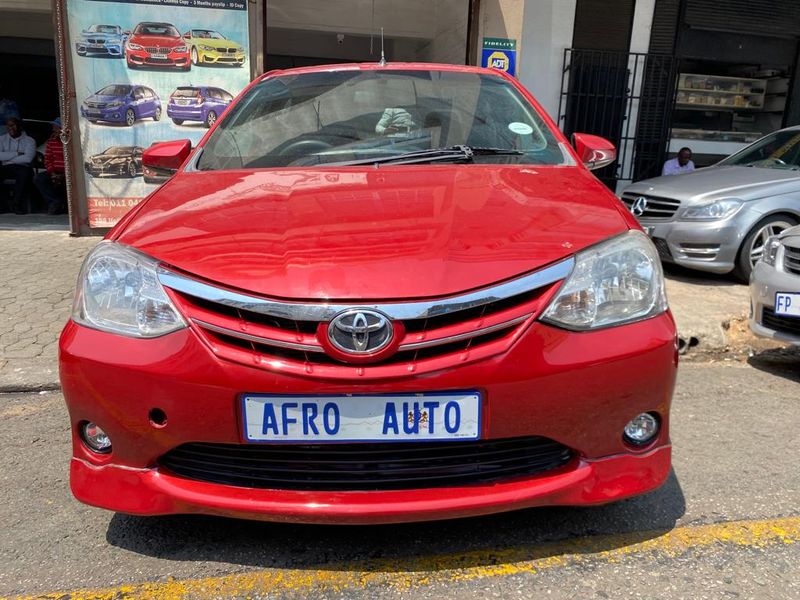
(139, 102)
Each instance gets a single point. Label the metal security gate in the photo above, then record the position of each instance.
(624, 97)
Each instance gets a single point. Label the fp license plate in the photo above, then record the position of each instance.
(787, 304)
(378, 418)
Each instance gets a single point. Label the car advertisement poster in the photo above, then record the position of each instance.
(149, 71)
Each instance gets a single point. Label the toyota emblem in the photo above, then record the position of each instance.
(639, 206)
(360, 331)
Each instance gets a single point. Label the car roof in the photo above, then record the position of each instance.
(394, 66)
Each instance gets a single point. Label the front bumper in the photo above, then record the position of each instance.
(112, 115)
(765, 282)
(579, 389)
(213, 56)
(710, 246)
(99, 49)
(144, 58)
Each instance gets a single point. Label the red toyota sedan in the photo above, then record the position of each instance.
(371, 294)
(157, 45)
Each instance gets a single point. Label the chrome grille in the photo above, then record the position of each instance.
(791, 259)
(157, 50)
(259, 331)
(657, 208)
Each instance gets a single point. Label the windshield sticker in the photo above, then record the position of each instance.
(520, 128)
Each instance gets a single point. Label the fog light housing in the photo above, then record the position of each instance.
(95, 438)
(641, 430)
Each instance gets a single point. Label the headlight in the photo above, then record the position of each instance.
(615, 282)
(208, 48)
(771, 247)
(179, 49)
(114, 104)
(118, 291)
(715, 211)
(134, 46)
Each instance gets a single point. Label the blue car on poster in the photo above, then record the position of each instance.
(102, 40)
(197, 103)
(122, 103)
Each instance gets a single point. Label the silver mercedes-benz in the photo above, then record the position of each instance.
(719, 218)
(775, 289)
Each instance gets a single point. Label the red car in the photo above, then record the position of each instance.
(157, 45)
(371, 294)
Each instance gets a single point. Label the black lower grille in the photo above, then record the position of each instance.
(663, 248)
(790, 325)
(365, 466)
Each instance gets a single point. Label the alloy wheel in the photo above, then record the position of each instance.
(130, 117)
(762, 235)
(194, 56)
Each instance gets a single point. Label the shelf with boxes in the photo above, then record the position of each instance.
(715, 92)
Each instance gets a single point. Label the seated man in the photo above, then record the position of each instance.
(50, 183)
(680, 164)
(394, 121)
(17, 151)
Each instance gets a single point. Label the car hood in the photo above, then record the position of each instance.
(156, 40)
(215, 43)
(99, 98)
(711, 183)
(369, 233)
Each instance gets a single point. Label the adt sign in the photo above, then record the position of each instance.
(501, 54)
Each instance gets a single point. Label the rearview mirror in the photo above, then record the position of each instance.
(167, 157)
(595, 152)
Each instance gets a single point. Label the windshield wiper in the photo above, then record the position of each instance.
(453, 153)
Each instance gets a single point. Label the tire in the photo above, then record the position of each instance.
(131, 169)
(195, 58)
(157, 116)
(188, 66)
(177, 121)
(211, 118)
(753, 245)
(130, 117)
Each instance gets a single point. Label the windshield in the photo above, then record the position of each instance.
(115, 90)
(118, 150)
(105, 29)
(164, 29)
(334, 117)
(206, 34)
(781, 150)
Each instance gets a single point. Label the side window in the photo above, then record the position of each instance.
(138, 93)
(214, 93)
(226, 96)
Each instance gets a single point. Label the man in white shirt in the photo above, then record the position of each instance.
(17, 151)
(680, 164)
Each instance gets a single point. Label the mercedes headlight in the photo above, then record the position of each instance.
(119, 292)
(617, 281)
(715, 211)
(771, 247)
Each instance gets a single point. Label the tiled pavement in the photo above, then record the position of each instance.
(38, 270)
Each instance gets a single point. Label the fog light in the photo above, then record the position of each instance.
(641, 429)
(96, 438)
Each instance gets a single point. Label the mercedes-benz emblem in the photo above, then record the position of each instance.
(360, 331)
(639, 206)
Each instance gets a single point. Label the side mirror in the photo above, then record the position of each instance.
(167, 157)
(595, 152)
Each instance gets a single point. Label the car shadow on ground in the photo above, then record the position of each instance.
(509, 537)
(680, 273)
(783, 362)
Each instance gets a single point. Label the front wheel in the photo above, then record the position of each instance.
(177, 121)
(130, 117)
(157, 116)
(132, 169)
(195, 60)
(752, 248)
(211, 118)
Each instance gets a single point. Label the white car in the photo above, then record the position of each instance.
(775, 289)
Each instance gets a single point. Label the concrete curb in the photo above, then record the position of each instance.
(28, 375)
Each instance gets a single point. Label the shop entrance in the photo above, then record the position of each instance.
(308, 32)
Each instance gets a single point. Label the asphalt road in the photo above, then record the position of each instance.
(725, 525)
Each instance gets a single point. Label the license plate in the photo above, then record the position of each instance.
(93, 113)
(96, 46)
(787, 304)
(377, 418)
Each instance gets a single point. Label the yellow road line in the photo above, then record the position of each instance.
(417, 572)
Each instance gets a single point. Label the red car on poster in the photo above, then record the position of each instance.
(157, 45)
(371, 294)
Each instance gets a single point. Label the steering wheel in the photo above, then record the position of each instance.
(305, 147)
